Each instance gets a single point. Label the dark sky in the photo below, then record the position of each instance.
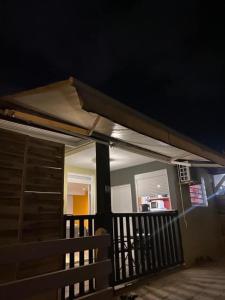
(164, 58)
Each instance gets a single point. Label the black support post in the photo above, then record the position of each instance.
(103, 219)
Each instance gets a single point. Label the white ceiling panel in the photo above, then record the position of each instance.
(119, 159)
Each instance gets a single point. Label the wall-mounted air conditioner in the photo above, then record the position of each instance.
(188, 174)
(184, 174)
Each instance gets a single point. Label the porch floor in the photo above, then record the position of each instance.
(205, 282)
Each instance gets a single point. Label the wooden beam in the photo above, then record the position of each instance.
(131, 148)
(45, 122)
(86, 144)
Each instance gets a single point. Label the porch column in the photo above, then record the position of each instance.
(103, 187)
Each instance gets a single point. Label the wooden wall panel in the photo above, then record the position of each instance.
(43, 179)
(43, 190)
(43, 202)
(31, 199)
(44, 153)
(12, 149)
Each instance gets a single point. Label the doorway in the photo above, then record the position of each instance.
(79, 194)
(121, 199)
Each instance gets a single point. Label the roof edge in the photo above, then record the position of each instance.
(97, 102)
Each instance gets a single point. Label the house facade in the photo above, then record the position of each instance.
(75, 162)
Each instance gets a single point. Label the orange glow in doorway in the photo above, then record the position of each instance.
(80, 206)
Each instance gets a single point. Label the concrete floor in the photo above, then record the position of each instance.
(206, 282)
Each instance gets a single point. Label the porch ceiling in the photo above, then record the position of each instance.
(119, 159)
(74, 103)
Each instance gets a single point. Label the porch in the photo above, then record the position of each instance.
(141, 243)
(201, 282)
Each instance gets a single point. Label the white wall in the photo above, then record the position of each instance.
(69, 204)
(121, 199)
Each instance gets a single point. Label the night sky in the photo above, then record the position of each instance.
(164, 58)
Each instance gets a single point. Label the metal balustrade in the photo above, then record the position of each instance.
(145, 243)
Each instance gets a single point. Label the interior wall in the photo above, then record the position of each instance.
(201, 236)
(72, 169)
(126, 176)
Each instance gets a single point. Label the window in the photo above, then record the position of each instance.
(152, 191)
(198, 194)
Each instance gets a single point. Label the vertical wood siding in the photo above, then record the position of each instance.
(31, 198)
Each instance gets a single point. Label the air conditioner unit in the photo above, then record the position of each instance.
(184, 174)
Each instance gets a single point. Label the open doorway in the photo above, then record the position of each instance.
(80, 189)
(79, 193)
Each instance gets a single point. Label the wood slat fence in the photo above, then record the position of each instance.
(79, 226)
(99, 270)
(31, 198)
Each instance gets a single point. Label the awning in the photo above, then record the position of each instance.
(74, 108)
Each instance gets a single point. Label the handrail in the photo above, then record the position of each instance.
(153, 213)
(164, 212)
(78, 217)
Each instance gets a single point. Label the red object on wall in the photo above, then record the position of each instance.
(167, 204)
(196, 194)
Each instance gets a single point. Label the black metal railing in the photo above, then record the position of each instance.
(143, 243)
(79, 226)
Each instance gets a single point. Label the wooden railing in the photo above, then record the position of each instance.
(98, 271)
(79, 226)
(143, 243)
